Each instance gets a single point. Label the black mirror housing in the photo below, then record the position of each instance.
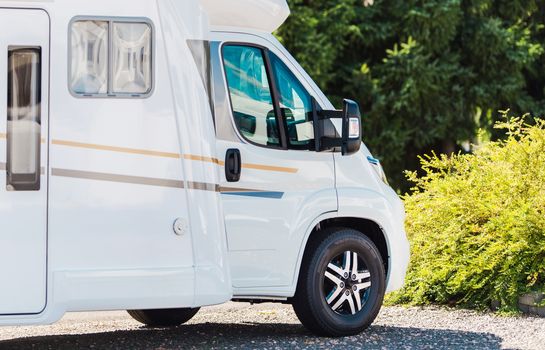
(325, 135)
(351, 137)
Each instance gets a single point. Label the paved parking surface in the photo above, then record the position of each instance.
(271, 326)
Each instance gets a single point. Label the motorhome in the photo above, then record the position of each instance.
(159, 156)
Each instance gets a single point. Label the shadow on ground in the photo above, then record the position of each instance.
(261, 336)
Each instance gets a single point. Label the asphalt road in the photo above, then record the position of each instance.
(271, 326)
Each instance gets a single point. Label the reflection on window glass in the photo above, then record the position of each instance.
(89, 57)
(250, 92)
(111, 57)
(295, 101)
(131, 58)
(24, 119)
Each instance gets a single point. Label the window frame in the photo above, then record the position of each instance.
(110, 94)
(275, 94)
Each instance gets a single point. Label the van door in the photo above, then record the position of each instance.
(273, 185)
(24, 65)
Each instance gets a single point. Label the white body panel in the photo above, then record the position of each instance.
(362, 194)
(121, 175)
(119, 178)
(262, 15)
(111, 232)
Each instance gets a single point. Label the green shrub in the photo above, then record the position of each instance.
(477, 223)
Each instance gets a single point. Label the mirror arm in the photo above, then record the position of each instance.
(343, 142)
(328, 142)
(335, 114)
(319, 115)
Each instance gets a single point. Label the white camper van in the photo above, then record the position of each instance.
(162, 155)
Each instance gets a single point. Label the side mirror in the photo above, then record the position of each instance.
(351, 128)
(325, 134)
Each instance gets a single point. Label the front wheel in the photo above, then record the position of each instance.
(341, 284)
(163, 317)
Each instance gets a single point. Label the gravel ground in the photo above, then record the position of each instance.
(271, 326)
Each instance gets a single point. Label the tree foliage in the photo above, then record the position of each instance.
(477, 223)
(427, 73)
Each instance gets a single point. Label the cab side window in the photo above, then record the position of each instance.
(251, 97)
(295, 103)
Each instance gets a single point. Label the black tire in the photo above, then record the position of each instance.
(163, 317)
(310, 300)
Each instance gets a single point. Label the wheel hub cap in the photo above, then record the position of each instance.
(346, 283)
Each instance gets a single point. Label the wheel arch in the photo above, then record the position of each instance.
(370, 228)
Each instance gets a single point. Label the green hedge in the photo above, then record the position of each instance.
(477, 223)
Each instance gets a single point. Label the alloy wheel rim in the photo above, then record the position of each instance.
(346, 283)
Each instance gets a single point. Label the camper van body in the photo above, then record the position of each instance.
(131, 208)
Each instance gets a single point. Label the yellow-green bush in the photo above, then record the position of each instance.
(477, 223)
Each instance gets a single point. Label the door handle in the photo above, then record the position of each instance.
(233, 165)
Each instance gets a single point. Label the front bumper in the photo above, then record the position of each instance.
(398, 244)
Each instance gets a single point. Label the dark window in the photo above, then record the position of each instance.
(295, 104)
(251, 97)
(24, 119)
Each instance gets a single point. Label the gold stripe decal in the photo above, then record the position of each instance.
(244, 165)
(116, 149)
(203, 159)
(269, 168)
(137, 180)
(164, 155)
(170, 155)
